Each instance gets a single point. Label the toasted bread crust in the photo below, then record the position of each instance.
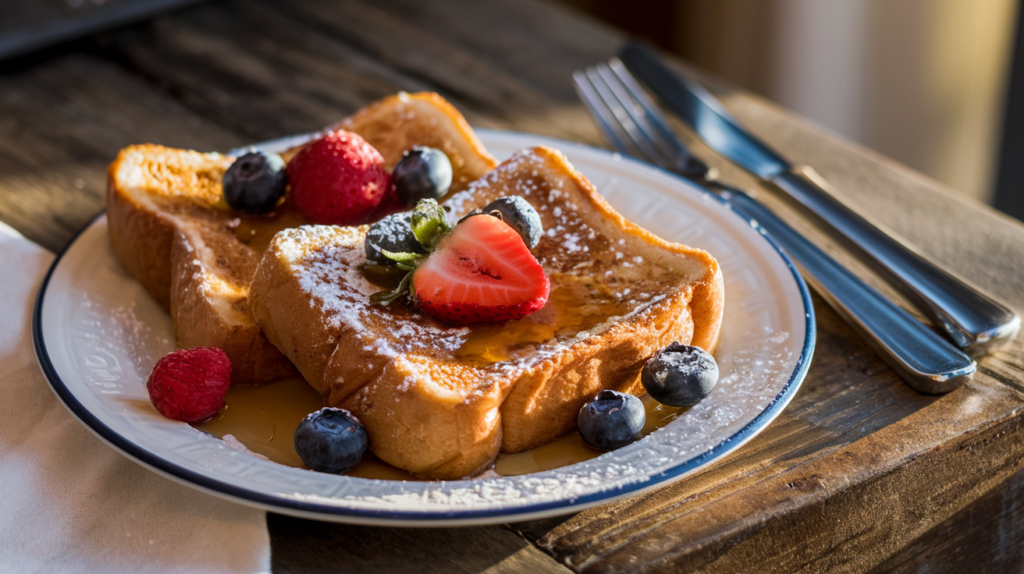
(172, 232)
(167, 234)
(139, 237)
(441, 126)
(441, 415)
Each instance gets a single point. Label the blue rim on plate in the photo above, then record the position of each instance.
(460, 516)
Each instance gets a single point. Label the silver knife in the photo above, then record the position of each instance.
(634, 126)
(972, 320)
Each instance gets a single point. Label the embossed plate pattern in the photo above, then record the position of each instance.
(98, 334)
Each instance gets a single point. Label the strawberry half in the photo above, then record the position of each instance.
(480, 272)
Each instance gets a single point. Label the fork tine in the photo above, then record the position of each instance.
(654, 141)
(650, 111)
(602, 100)
(683, 161)
(630, 121)
(618, 111)
(610, 128)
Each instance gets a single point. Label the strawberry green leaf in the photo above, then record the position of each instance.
(429, 223)
(385, 297)
(402, 257)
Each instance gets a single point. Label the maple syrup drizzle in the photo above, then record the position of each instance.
(575, 304)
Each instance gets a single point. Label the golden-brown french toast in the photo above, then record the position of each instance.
(441, 401)
(173, 232)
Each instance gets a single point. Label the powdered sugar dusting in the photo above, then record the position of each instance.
(106, 328)
(334, 279)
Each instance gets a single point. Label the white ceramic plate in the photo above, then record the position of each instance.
(98, 334)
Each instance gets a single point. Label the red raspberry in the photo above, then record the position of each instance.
(190, 385)
(338, 179)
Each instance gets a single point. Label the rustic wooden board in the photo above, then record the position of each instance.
(984, 536)
(62, 121)
(269, 70)
(859, 473)
(844, 508)
(308, 546)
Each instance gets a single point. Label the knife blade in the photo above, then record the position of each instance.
(974, 321)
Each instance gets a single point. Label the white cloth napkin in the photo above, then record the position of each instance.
(69, 502)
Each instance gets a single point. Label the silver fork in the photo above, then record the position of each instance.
(632, 124)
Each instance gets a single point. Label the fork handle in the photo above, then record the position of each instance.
(926, 361)
(972, 320)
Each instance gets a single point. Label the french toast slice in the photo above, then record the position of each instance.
(441, 401)
(172, 231)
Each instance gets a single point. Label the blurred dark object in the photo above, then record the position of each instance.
(1009, 196)
(746, 58)
(28, 25)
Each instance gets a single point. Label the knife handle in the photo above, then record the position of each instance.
(971, 319)
(922, 358)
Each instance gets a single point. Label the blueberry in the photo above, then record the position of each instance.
(680, 375)
(422, 173)
(520, 215)
(394, 234)
(330, 440)
(611, 420)
(255, 182)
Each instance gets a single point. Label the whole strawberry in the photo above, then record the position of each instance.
(190, 385)
(339, 180)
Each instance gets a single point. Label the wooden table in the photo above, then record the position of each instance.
(859, 473)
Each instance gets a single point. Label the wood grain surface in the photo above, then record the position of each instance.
(860, 473)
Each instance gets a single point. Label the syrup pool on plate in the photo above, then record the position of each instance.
(264, 418)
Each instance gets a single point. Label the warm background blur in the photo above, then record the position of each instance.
(921, 81)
